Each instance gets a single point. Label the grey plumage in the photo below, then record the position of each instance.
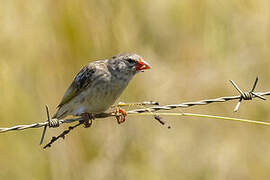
(97, 86)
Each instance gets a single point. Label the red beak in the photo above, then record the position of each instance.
(142, 65)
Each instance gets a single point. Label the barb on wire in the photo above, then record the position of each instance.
(246, 95)
(135, 111)
(39, 125)
(154, 106)
(51, 123)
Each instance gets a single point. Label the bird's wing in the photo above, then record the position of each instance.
(80, 82)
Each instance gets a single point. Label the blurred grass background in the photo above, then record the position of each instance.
(194, 48)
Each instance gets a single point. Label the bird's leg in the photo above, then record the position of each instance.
(87, 117)
(120, 115)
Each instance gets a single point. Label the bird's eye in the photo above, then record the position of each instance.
(131, 61)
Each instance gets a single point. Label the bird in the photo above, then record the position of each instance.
(98, 85)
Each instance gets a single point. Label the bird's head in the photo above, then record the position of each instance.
(129, 63)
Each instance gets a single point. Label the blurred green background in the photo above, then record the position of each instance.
(194, 48)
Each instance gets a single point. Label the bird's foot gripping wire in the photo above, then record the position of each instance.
(88, 118)
(120, 115)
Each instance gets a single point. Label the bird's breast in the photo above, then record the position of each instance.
(100, 96)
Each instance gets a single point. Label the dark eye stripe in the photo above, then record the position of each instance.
(131, 61)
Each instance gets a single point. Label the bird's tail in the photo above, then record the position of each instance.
(60, 113)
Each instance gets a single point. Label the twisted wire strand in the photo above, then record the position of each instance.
(135, 111)
(36, 125)
(196, 103)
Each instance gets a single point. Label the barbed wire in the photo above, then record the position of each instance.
(242, 96)
(156, 107)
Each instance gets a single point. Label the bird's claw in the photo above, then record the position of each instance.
(87, 119)
(87, 123)
(120, 115)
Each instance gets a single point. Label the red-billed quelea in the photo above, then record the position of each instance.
(97, 86)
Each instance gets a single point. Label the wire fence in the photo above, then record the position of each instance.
(154, 106)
